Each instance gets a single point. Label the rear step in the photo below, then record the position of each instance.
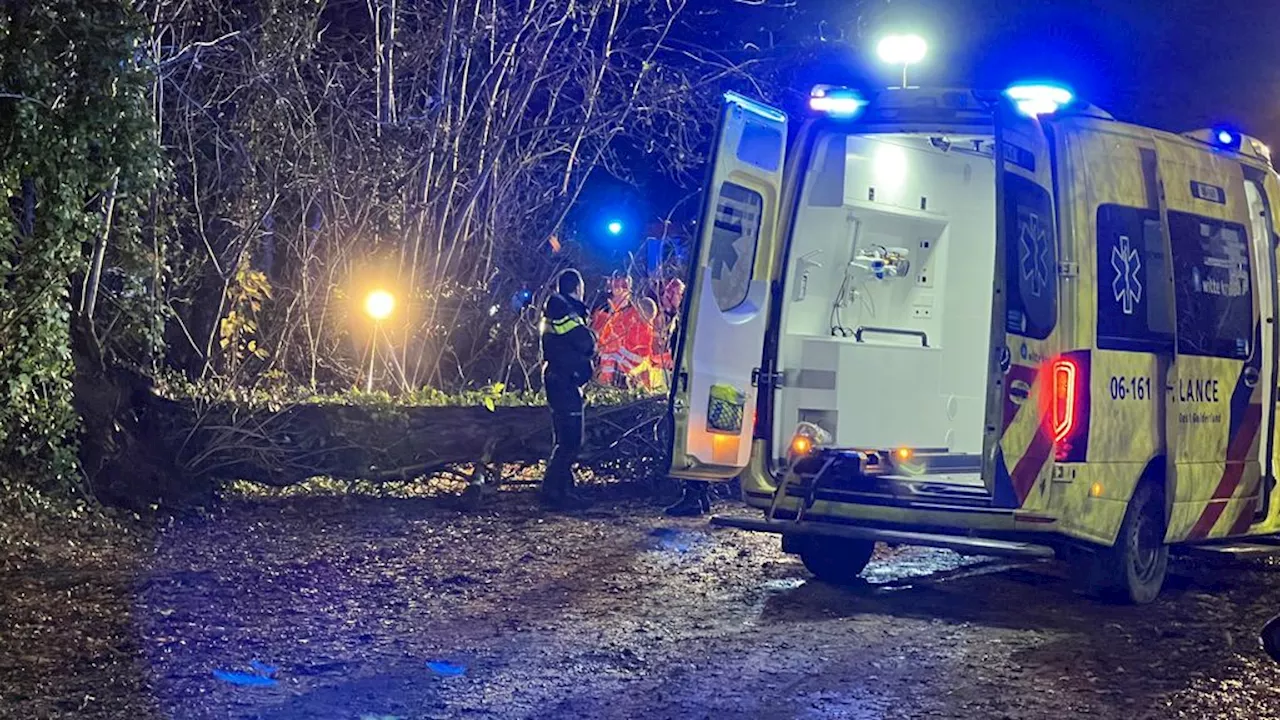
(857, 476)
(1243, 549)
(958, 543)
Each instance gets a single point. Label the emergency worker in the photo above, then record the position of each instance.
(670, 299)
(696, 496)
(645, 373)
(609, 323)
(568, 352)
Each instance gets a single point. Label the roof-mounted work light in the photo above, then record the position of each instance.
(904, 50)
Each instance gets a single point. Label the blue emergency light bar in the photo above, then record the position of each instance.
(1034, 99)
(1228, 138)
(836, 102)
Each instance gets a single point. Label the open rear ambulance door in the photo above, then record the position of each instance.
(1018, 439)
(713, 393)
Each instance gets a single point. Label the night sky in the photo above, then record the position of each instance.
(1177, 65)
(1173, 64)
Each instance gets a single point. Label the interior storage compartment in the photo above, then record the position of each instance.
(886, 324)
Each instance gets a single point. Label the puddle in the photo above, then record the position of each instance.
(918, 564)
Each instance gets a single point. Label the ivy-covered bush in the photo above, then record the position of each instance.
(74, 123)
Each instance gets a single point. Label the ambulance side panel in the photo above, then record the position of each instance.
(1110, 205)
(1270, 523)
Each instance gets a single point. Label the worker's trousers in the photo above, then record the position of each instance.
(565, 399)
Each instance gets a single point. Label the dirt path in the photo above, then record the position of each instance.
(617, 613)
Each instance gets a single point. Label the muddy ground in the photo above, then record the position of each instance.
(345, 603)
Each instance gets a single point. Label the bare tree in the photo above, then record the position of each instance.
(320, 148)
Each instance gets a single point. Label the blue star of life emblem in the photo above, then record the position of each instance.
(1034, 256)
(1126, 287)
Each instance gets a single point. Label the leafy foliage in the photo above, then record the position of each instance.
(273, 398)
(238, 329)
(73, 116)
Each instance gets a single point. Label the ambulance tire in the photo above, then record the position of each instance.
(1133, 570)
(835, 560)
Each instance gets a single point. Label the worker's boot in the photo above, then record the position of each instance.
(552, 492)
(574, 501)
(695, 501)
(557, 494)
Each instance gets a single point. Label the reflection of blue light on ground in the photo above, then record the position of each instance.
(781, 585)
(672, 540)
(915, 563)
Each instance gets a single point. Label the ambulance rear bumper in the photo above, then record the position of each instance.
(964, 545)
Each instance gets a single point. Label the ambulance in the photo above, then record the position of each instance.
(1003, 323)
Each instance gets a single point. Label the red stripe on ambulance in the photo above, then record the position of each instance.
(1237, 456)
(1029, 465)
(1242, 523)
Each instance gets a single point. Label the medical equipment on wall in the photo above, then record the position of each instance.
(873, 263)
(804, 264)
(880, 262)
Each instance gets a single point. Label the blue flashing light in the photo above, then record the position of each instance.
(614, 227)
(836, 102)
(1036, 99)
(1227, 138)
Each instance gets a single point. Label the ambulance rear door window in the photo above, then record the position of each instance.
(1212, 284)
(1134, 310)
(735, 237)
(1031, 261)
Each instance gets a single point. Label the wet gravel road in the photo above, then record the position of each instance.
(373, 608)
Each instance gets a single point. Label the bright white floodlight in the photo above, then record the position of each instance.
(904, 50)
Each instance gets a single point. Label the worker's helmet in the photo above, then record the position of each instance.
(620, 286)
(648, 308)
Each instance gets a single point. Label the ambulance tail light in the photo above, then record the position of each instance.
(1063, 398)
(1067, 414)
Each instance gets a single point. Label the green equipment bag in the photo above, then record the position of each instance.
(725, 410)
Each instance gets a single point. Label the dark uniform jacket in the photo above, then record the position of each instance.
(568, 345)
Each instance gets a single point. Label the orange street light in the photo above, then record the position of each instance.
(378, 304)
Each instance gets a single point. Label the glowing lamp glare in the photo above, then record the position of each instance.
(1034, 100)
(379, 304)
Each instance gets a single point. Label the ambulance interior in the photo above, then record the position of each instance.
(886, 322)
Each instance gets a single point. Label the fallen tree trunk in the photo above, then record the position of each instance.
(352, 442)
(139, 449)
(123, 459)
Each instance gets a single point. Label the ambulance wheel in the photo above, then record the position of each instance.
(1133, 570)
(836, 560)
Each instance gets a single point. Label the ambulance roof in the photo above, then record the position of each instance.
(917, 104)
